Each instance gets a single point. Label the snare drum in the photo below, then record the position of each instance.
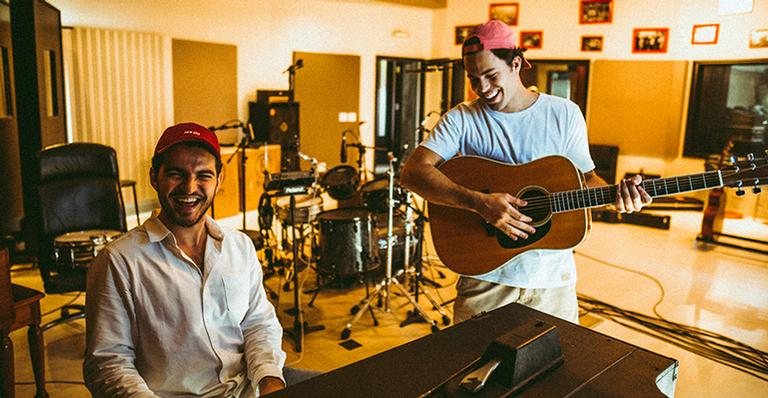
(346, 245)
(341, 182)
(78, 249)
(307, 209)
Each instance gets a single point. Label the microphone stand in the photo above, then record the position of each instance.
(360, 154)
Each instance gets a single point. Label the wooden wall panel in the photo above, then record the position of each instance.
(205, 84)
(638, 106)
(327, 85)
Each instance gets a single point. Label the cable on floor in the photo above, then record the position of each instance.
(710, 345)
(57, 309)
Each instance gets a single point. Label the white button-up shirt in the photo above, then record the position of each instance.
(158, 326)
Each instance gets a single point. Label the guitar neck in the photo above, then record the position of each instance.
(658, 187)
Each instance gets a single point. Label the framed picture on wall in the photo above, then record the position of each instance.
(650, 40)
(531, 39)
(595, 11)
(461, 33)
(591, 43)
(758, 38)
(504, 12)
(705, 34)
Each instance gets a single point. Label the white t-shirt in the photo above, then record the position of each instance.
(551, 126)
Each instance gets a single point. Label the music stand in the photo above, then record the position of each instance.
(383, 287)
(290, 184)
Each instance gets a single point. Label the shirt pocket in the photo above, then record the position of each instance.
(236, 294)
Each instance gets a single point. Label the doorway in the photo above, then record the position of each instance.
(561, 78)
(408, 91)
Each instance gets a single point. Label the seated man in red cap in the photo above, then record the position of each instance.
(176, 306)
(510, 124)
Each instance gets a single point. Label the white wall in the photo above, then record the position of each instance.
(267, 32)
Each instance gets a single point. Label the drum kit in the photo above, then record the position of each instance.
(373, 232)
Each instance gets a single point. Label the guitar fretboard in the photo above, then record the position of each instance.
(601, 196)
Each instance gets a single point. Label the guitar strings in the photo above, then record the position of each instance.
(583, 198)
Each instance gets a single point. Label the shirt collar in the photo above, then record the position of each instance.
(157, 231)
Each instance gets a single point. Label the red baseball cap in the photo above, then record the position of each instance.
(493, 35)
(188, 132)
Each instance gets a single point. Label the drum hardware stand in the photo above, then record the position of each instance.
(290, 184)
(383, 288)
(266, 214)
(417, 315)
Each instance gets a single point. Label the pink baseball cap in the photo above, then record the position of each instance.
(188, 132)
(493, 35)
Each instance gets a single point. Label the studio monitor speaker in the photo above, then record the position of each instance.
(278, 123)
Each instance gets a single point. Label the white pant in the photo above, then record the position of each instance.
(475, 296)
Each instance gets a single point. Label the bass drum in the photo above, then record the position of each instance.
(341, 182)
(347, 246)
(398, 242)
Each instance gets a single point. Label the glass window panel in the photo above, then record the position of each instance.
(728, 110)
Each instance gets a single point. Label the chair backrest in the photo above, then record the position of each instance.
(78, 189)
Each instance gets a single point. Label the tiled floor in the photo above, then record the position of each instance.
(715, 288)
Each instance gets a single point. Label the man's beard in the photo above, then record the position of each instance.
(173, 216)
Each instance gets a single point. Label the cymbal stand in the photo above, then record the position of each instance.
(383, 288)
(417, 282)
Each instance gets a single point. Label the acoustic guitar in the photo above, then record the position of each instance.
(557, 203)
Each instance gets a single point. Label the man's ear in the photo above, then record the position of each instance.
(517, 64)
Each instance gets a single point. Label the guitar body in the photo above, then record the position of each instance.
(468, 245)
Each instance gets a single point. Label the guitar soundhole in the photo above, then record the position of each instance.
(538, 205)
(539, 210)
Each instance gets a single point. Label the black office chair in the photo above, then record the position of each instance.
(81, 209)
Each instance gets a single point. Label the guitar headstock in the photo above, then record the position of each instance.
(747, 172)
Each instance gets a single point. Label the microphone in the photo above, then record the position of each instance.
(344, 147)
(298, 65)
(226, 126)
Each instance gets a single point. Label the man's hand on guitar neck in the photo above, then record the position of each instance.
(631, 196)
(501, 211)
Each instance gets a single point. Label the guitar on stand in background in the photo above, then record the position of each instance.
(715, 213)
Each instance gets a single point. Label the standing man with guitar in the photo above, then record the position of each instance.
(509, 124)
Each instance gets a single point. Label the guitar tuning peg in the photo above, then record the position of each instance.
(740, 192)
(750, 156)
(732, 158)
(756, 190)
